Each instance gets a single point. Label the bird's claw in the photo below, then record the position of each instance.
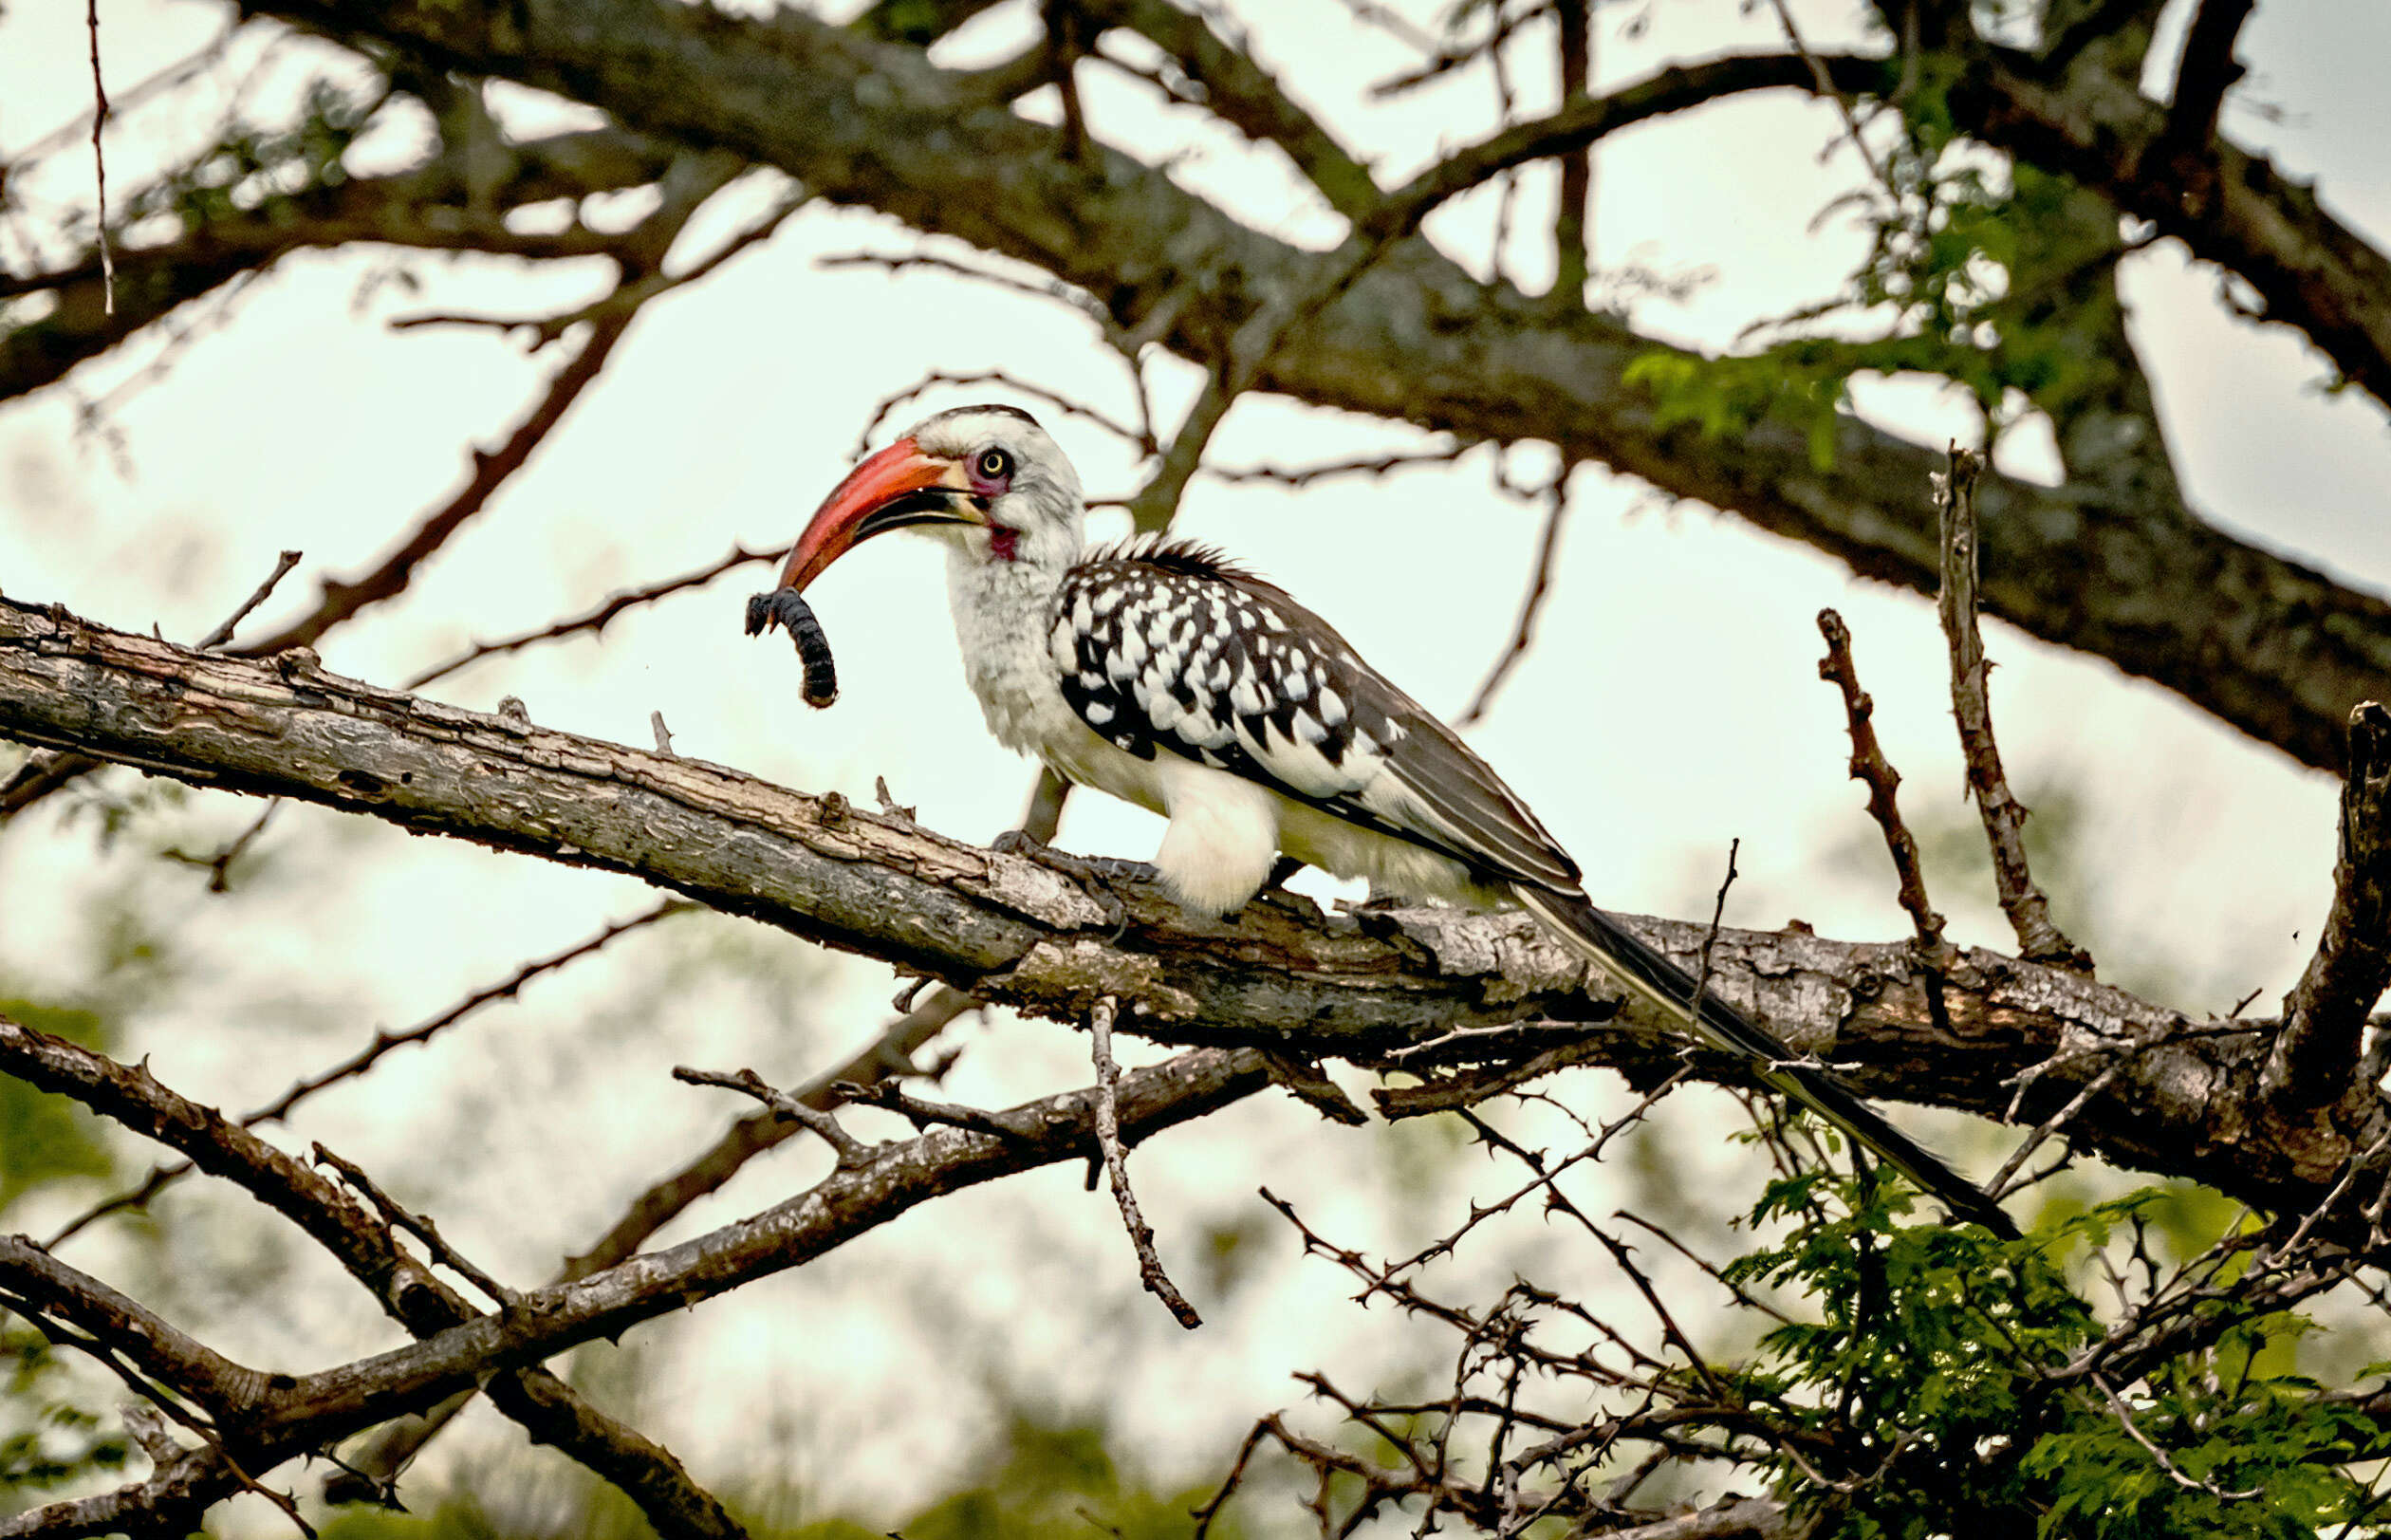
(1019, 841)
(1101, 875)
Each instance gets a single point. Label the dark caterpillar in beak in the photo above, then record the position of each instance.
(787, 608)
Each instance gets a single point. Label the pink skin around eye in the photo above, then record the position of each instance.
(1003, 544)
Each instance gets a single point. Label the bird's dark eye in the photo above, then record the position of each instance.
(994, 464)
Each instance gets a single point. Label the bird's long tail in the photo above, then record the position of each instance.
(1598, 936)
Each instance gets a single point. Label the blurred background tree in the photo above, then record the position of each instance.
(667, 268)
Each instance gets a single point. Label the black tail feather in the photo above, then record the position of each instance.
(1648, 973)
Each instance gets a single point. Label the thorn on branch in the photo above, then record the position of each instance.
(1158, 1283)
(663, 735)
(853, 1154)
(2325, 1017)
(2039, 940)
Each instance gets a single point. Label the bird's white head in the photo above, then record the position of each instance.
(986, 479)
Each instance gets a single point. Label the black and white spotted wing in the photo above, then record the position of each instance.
(1163, 645)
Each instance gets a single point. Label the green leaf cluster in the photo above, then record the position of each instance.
(1994, 277)
(1934, 1375)
(46, 1440)
(251, 168)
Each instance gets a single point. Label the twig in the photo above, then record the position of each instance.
(2205, 73)
(921, 1113)
(223, 633)
(417, 1225)
(1524, 633)
(2315, 1056)
(100, 161)
(1378, 465)
(2038, 939)
(1572, 229)
(663, 734)
(1998, 1187)
(1709, 935)
(1870, 768)
(1825, 84)
(598, 619)
(1158, 1283)
(219, 865)
(853, 1154)
(937, 377)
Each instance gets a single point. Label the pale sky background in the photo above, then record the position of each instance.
(1670, 705)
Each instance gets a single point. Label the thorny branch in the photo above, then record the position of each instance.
(295, 1413)
(364, 1059)
(1150, 1273)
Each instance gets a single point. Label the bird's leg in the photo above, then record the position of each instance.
(1282, 871)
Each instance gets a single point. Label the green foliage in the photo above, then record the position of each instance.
(1993, 277)
(1932, 1377)
(46, 1440)
(250, 168)
(45, 1137)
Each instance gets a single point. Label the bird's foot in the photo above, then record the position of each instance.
(1102, 876)
(1019, 841)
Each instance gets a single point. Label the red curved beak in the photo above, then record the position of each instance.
(896, 488)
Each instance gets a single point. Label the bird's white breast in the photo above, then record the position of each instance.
(1000, 622)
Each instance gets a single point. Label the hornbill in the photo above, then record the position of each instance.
(1161, 672)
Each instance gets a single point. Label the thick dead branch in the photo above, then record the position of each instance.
(2038, 938)
(2153, 588)
(2316, 1054)
(1021, 933)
